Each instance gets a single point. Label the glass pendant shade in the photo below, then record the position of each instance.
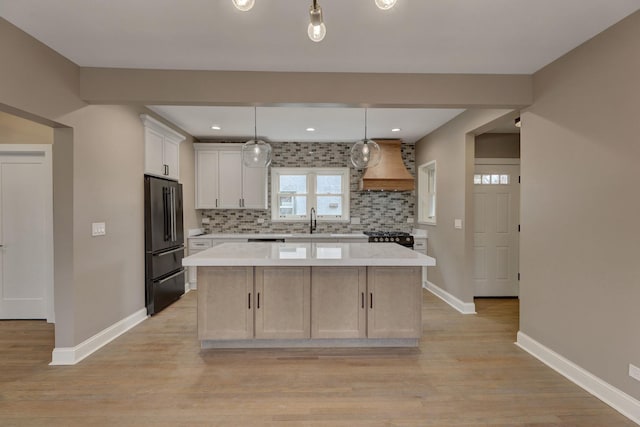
(243, 5)
(365, 154)
(256, 154)
(317, 32)
(385, 4)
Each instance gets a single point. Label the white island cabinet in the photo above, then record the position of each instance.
(309, 295)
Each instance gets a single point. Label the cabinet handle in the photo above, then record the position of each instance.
(258, 303)
(370, 299)
(249, 298)
(216, 203)
(240, 202)
(362, 299)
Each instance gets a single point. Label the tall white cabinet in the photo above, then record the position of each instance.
(223, 182)
(161, 149)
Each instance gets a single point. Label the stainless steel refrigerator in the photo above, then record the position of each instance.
(164, 243)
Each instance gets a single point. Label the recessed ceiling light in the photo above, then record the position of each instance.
(216, 127)
(395, 130)
(311, 129)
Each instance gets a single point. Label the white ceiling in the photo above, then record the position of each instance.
(416, 36)
(290, 123)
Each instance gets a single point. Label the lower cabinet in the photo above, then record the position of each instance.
(395, 302)
(283, 305)
(299, 303)
(338, 306)
(225, 303)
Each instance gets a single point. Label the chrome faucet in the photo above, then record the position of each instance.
(313, 222)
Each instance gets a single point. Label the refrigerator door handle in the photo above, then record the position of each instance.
(171, 252)
(174, 236)
(165, 214)
(166, 279)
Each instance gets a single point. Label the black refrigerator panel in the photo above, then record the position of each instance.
(164, 243)
(163, 214)
(163, 292)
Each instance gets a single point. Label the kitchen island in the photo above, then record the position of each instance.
(309, 295)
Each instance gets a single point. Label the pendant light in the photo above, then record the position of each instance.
(385, 4)
(256, 153)
(365, 153)
(243, 5)
(316, 30)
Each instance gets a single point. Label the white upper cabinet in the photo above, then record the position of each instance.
(161, 149)
(223, 182)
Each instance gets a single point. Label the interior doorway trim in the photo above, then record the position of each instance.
(45, 150)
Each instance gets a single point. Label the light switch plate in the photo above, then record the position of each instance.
(205, 220)
(355, 220)
(634, 372)
(410, 220)
(457, 223)
(98, 229)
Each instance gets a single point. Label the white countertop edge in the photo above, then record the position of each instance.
(308, 263)
(286, 254)
(280, 236)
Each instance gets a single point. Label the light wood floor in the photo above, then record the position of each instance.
(467, 372)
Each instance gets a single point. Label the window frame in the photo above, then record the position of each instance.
(311, 194)
(427, 199)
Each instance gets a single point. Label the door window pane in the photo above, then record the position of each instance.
(495, 179)
(477, 179)
(486, 179)
(504, 179)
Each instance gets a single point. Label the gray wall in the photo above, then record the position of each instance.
(580, 240)
(384, 211)
(497, 146)
(452, 147)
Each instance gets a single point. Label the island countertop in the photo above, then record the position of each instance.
(308, 254)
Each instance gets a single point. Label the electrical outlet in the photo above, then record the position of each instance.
(634, 372)
(410, 220)
(260, 220)
(205, 220)
(98, 229)
(457, 223)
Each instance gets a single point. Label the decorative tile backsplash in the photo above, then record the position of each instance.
(377, 210)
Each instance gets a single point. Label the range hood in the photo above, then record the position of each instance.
(390, 174)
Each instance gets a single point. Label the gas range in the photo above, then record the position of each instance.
(399, 237)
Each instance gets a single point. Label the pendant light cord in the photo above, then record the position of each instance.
(255, 124)
(365, 126)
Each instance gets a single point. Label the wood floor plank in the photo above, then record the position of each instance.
(466, 372)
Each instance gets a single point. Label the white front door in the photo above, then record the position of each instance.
(496, 216)
(25, 235)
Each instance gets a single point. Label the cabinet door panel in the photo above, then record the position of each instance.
(230, 167)
(338, 308)
(254, 187)
(206, 179)
(283, 302)
(225, 303)
(171, 155)
(395, 302)
(153, 152)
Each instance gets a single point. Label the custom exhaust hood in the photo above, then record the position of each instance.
(390, 174)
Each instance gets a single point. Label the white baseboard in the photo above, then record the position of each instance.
(617, 399)
(461, 306)
(73, 355)
(193, 286)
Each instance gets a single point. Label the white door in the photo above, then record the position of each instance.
(496, 216)
(25, 235)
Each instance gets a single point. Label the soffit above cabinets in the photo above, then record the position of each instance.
(330, 124)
